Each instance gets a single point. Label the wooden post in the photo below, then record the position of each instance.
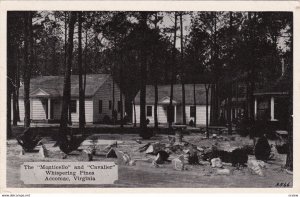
(49, 108)
(272, 108)
(255, 109)
(174, 114)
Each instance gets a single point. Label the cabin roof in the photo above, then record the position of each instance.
(164, 94)
(279, 87)
(52, 86)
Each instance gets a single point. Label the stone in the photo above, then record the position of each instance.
(132, 162)
(223, 172)
(158, 159)
(154, 148)
(200, 149)
(178, 164)
(216, 163)
(255, 167)
(43, 151)
(204, 162)
(144, 147)
(22, 152)
(111, 154)
(88, 155)
(123, 158)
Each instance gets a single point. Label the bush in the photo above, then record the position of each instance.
(106, 119)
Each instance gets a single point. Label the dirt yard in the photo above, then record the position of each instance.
(145, 174)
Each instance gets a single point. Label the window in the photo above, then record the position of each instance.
(149, 111)
(109, 105)
(100, 106)
(192, 111)
(119, 106)
(73, 107)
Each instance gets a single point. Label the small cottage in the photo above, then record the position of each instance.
(46, 98)
(192, 111)
(271, 103)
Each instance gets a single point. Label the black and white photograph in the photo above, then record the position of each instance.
(149, 99)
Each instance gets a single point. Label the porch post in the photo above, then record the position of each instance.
(49, 107)
(272, 108)
(174, 113)
(255, 108)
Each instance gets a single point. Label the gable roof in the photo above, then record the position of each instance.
(53, 85)
(278, 87)
(164, 93)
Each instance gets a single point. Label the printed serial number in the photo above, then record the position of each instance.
(283, 184)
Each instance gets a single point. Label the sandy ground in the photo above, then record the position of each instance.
(144, 174)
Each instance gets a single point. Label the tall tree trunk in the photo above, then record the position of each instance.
(229, 109)
(207, 86)
(10, 71)
(182, 73)
(215, 89)
(155, 83)
(289, 73)
(143, 78)
(171, 107)
(15, 88)
(67, 79)
(195, 103)
(28, 55)
(85, 67)
(121, 96)
(65, 63)
(134, 113)
(81, 88)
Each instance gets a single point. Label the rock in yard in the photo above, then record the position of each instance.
(255, 167)
(132, 162)
(43, 151)
(88, 155)
(123, 158)
(144, 147)
(111, 154)
(154, 148)
(178, 164)
(22, 152)
(262, 149)
(216, 163)
(158, 159)
(223, 172)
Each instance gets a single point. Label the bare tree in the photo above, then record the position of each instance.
(182, 71)
(171, 107)
(81, 88)
(67, 79)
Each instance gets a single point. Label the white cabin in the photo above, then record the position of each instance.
(46, 98)
(164, 100)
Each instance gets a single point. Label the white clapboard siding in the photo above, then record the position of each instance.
(137, 112)
(21, 109)
(105, 93)
(151, 118)
(162, 114)
(38, 109)
(88, 111)
(200, 114)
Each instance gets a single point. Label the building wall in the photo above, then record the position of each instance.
(162, 114)
(105, 94)
(38, 110)
(88, 111)
(200, 114)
